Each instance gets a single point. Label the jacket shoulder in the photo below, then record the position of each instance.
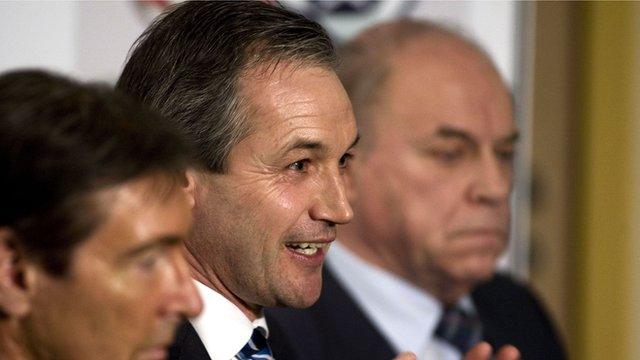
(187, 344)
(511, 313)
(334, 328)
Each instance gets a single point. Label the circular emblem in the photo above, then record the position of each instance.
(344, 19)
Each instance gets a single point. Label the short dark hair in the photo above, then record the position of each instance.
(60, 143)
(186, 65)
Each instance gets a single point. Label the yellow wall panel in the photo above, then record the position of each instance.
(606, 188)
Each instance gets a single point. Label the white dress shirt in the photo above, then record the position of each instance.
(404, 314)
(223, 328)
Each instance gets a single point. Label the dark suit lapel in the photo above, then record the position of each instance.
(353, 332)
(333, 329)
(187, 345)
(510, 314)
(491, 310)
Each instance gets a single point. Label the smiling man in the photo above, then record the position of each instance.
(430, 187)
(281, 196)
(91, 224)
(254, 88)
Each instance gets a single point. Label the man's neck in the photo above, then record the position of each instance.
(446, 291)
(209, 278)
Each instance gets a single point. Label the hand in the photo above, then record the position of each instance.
(406, 356)
(482, 351)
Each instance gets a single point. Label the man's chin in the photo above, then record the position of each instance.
(297, 288)
(303, 296)
(153, 353)
(299, 301)
(157, 345)
(475, 272)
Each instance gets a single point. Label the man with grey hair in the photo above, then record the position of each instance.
(430, 186)
(254, 88)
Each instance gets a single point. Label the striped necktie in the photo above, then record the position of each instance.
(256, 348)
(459, 328)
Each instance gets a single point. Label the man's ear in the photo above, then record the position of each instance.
(14, 301)
(189, 186)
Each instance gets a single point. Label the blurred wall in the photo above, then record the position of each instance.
(38, 34)
(88, 40)
(608, 192)
(586, 194)
(553, 166)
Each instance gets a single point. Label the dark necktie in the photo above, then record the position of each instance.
(256, 348)
(459, 328)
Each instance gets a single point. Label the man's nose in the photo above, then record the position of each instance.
(184, 297)
(331, 202)
(492, 181)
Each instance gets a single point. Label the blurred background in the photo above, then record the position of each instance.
(574, 69)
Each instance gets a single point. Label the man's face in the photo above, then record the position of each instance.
(433, 192)
(262, 228)
(127, 286)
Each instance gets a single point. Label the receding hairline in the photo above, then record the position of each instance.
(264, 71)
(384, 41)
(368, 60)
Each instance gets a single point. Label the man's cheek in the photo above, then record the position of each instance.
(421, 223)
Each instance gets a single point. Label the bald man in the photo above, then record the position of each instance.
(430, 186)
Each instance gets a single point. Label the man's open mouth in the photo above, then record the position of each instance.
(307, 249)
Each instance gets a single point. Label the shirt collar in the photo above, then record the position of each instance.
(405, 314)
(223, 328)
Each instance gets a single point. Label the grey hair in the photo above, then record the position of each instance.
(188, 63)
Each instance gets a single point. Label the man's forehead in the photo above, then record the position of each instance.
(436, 46)
(292, 92)
(274, 80)
(441, 57)
(153, 191)
(436, 96)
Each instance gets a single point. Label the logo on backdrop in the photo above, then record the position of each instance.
(344, 19)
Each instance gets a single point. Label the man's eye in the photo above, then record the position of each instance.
(506, 155)
(446, 155)
(300, 165)
(344, 160)
(147, 262)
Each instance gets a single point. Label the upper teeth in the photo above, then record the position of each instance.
(309, 245)
(307, 248)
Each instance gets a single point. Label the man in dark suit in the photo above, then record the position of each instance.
(254, 88)
(430, 186)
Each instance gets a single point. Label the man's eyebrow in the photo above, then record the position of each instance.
(510, 139)
(155, 243)
(449, 132)
(302, 143)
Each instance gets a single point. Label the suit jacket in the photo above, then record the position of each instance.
(336, 328)
(187, 344)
